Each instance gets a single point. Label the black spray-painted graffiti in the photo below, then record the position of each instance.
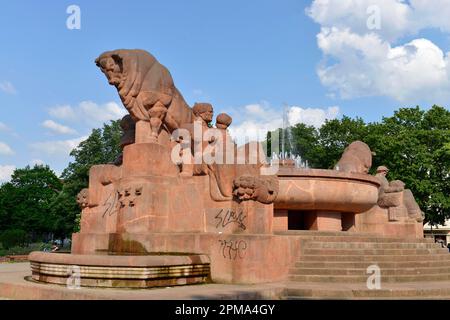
(232, 249)
(121, 198)
(111, 204)
(230, 216)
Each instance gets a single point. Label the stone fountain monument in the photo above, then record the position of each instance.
(183, 204)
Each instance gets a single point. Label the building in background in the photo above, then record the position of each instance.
(441, 232)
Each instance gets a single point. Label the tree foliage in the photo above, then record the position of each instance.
(26, 200)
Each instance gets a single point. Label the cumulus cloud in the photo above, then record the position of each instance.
(262, 118)
(7, 87)
(311, 116)
(5, 172)
(64, 112)
(89, 112)
(58, 147)
(361, 61)
(396, 16)
(5, 149)
(57, 128)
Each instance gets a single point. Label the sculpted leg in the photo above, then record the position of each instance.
(157, 114)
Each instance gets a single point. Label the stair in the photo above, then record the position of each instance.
(336, 266)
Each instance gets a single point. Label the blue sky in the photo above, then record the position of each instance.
(247, 58)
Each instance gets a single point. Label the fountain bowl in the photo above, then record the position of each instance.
(326, 190)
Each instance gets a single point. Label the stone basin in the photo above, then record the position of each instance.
(326, 190)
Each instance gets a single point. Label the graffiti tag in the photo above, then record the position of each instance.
(232, 249)
(230, 216)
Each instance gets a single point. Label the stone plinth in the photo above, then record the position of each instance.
(148, 159)
(376, 220)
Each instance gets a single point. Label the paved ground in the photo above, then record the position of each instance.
(14, 286)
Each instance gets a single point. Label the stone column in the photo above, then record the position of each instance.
(280, 220)
(329, 221)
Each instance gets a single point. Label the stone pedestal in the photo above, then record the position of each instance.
(148, 159)
(377, 221)
(143, 132)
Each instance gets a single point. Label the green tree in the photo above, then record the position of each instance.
(25, 201)
(414, 143)
(334, 135)
(305, 142)
(102, 146)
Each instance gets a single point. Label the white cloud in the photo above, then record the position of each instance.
(5, 172)
(369, 66)
(101, 113)
(89, 112)
(64, 112)
(7, 87)
(396, 16)
(5, 149)
(309, 116)
(367, 62)
(261, 118)
(58, 147)
(57, 128)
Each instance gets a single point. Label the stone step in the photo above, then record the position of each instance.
(349, 252)
(382, 298)
(313, 233)
(376, 258)
(410, 293)
(371, 245)
(363, 271)
(348, 237)
(363, 279)
(367, 239)
(355, 265)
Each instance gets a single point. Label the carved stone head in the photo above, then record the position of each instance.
(223, 121)
(203, 111)
(83, 198)
(112, 67)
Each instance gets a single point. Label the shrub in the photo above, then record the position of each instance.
(13, 237)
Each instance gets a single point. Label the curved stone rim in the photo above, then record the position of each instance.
(284, 173)
(118, 260)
